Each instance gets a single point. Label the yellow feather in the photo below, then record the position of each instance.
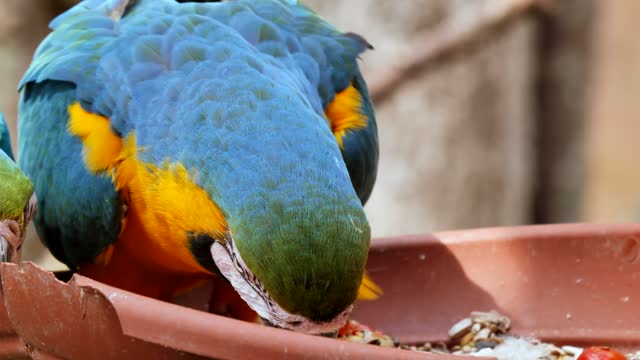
(101, 145)
(344, 113)
(368, 289)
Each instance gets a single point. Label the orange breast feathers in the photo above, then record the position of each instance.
(163, 203)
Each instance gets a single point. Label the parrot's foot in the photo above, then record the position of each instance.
(10, 241)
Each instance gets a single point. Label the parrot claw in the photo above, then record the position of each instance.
(4, 249)
(10, 241)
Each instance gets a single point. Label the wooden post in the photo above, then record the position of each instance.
(565, 59)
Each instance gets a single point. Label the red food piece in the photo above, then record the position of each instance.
(600, 353)
(352, 327)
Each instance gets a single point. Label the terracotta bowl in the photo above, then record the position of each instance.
(569, 284)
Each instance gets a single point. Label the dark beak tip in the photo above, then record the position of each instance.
(267, 322)
(332, 335)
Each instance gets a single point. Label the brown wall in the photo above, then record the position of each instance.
(613, 191)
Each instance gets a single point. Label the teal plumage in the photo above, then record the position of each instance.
(5, 139)
(78, 214)
(233, 91)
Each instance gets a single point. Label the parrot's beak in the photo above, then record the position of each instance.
(231, 265)
(332, 334)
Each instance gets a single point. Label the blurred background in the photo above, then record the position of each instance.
(490, 112)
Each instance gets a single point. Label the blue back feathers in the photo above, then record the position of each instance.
(163, 59)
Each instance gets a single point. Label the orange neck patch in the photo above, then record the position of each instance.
(164, 204)
(168, 205)
(101, 145)
(344, 113)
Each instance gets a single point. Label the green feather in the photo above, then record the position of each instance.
(15, 187)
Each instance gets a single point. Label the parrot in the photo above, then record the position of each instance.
(171, 142)
(17, 200)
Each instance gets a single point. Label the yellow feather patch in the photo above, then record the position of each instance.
(126, 168)
(163, 203)
(166, 204)
(344, 113)
(101, 145)
(368, 289)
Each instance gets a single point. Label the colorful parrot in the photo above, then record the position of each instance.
(169, 141)
(17, 200)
